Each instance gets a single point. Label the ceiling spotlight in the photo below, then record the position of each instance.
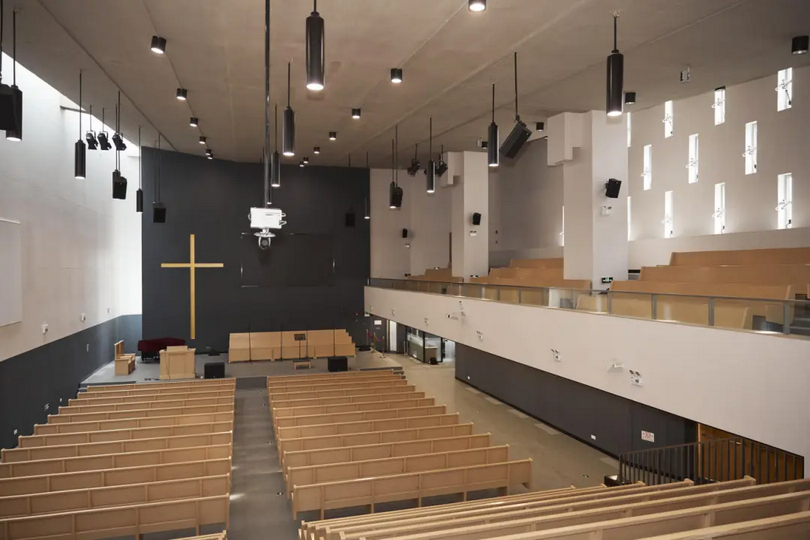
(540, 127)
(484, 145)
(316, 150)
(333, 135)
(301, 164)
(629, 98)
(800, 44)
(316, 50)
(92, 142)
(118, 141)
(615, 75)
(194, 121)
(356, 114)
(104, 140)
(441, 168)
(415, 165)
(306, 160)
(158, 45)
(182, 94)
(209, 153)
(396, 75)
(203, 140)
(288, 121)
(477, 5)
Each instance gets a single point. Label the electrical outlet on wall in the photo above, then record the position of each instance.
(44, 328)
(83, 317)
(480, 335)
(635, 378)
(555, 354)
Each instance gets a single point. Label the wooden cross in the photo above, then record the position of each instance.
(192, 265)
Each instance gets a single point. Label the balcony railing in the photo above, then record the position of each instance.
(760, 315)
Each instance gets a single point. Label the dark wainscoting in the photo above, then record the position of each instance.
(576, 409)
(53, 372)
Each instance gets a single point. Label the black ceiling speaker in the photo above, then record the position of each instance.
(404, 233)
(316, 50)
(612, 188)
(14, 133)
(119, 185)
(493, 160)
(430, 170)
(476, 218)
(288, 125)
(79, 151)
(615, 75)
(158, 212)
(520, 133)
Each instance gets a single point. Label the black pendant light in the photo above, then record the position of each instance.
(316, 50)
(396, 75)
(493, 158)
(395, 193)
(79, 155)
(14, 133)
(6, 93)
(430, 172)
(615, 75)
(366, 209)
(119, 182)
(158, 45)
(158, 208)
(139, 193)
(288, 131)
(275, 159)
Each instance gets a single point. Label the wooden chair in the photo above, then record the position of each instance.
(124, 363)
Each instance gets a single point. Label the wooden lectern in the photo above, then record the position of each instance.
(177, 363)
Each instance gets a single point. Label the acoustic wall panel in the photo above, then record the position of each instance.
(10, 272)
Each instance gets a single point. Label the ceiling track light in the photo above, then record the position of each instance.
(12, 97)
(441, 166)
(288, 125)
(158, 45)
(477, 5)
(316, 150)
(396, 75)
(103, 136)
(333, 135)
(356, 113)
(79, 151)
(194, 121)
(493, 156)
(182, 94)
(615, 75)
(415, 165)
(800, 44)
(203, 140)
(430, 171)
(209, 152)
(92, 142)
(629, 98)
(316, 50)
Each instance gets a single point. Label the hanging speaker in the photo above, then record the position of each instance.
(404, 233)
(350, 218)
(158, 213)
(7, 107)
(476, 218)
(612, 188)
(516, 139)
(119, 185)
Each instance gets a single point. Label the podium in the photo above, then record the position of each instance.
(177, 363)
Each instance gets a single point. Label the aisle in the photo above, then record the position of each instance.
(259, 507)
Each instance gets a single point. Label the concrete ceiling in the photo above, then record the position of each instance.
(449, 56)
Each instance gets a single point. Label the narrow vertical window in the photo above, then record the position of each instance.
(720, 208)
(629, 130)
(647, 172)
(692, 164)
(562, 233)
(629, 220)
(719, 105)
(750, 148)
(784, 89)
(784, 206)
(669, 230)
(669, 121)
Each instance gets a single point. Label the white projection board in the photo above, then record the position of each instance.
(10, 272)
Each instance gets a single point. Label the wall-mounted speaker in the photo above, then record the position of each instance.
(119, 186)
(158, 213)
(404, 233)
(350, 218)
(476, 218)
(516, 139)
(612, 188)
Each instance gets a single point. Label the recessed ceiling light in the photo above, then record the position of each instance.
(800, 44)
(316, 150)
(396, 75)
(477, 5)
(629, 98)
(356, 113)
(203, 140)
(182, 94)
(158, 45)
(194, 121)
(333, 135)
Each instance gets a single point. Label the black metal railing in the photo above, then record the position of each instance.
(710, 461)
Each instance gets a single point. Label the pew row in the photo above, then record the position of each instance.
(797, 275)
(219, 536)
(387, 382)
(416, 486)
(147, 392)
(120, 521)
(741, 257)
(298, 396)
(367, 397)
(114, 407)
(368, 376)
(199, 383)
(16, 455)
(104, 400)
(367, 425)
(359, 416)
(113, 477)
(61, 439)
(327, 376)
(374, 437)
(292, 412)
(335, 472)
(88, 499)
(132, 423)
(138, 413)
(113, 461)
(787, 527)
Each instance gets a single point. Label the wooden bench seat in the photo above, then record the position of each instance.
(132, 423)
(113, 477)
(219, 536)
(354, 397)
(334, 472)
(343, 376)
(121, 521)
(381, 382)
(86, 437)
(344, 392)
(326, 376)
(88, 499)
(372, 437)
(98, 399)
(357, 416)
(279, 413)
(112, 407)
(741, 257)
(797, 275)
(157, 386)
(147, 392)
(418, 485)
(16, 455)
(138, 413)
(323, 430)
(787, 527)
(113, 461)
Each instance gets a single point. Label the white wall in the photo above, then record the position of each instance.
(81, 251)
(750, 384)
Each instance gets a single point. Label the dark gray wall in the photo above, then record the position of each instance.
(53, 372)
(212, 198)
(577, 409)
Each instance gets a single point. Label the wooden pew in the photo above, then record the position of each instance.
(536, 263)
(357, 416)
(88, 499)
(16, 455)
(113, 477)
(351, 407)
(346, 428)
(111, 407)
(418, 485)
(132, 423)
(218, 536)
(335, 472)
(327, 376)
(377, 382)
(199, 383)
(86, 437)
(797, 275)
(787, 527)
(113, 461)
(100, 399)
(363, 397)
(384, 389)
(138, 413)
(743, 257)
(152, 391)
(643, 526)
(372, 437)
(121, 521)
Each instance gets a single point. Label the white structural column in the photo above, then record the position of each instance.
(592, 148)
(470, 194)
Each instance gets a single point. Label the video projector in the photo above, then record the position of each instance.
(266, 219)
